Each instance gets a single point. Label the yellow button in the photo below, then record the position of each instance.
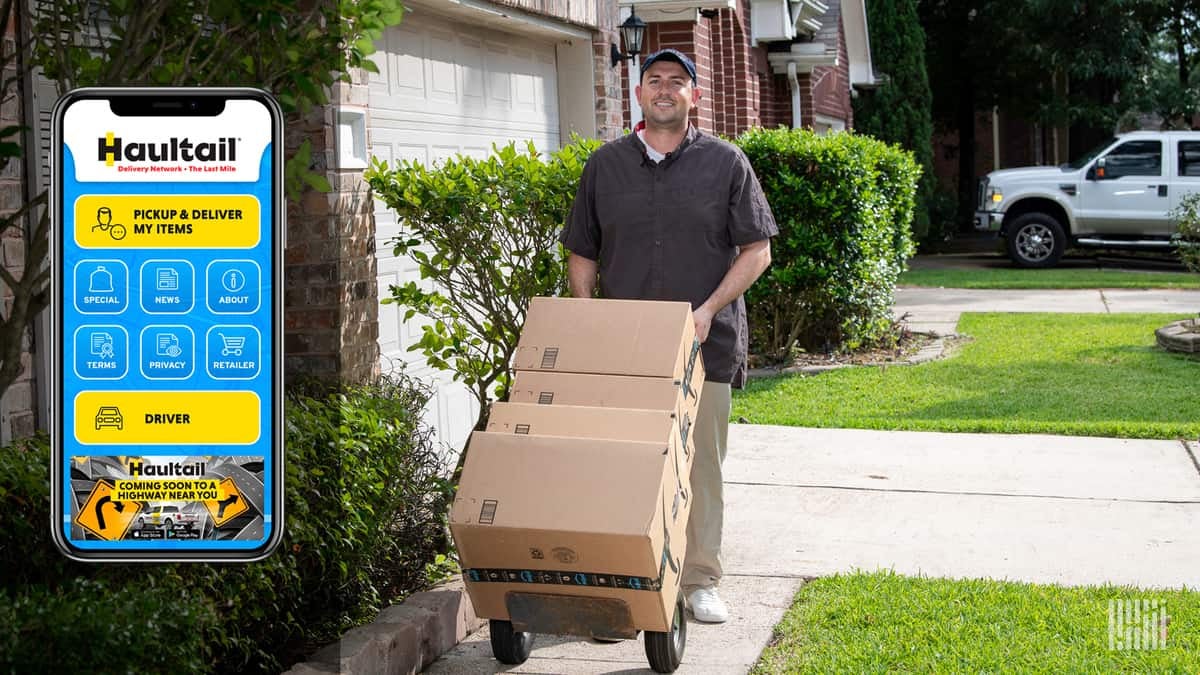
(167, 221)
(168, 417)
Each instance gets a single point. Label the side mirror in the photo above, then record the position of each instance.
(1100, 173)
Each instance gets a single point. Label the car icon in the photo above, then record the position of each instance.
(109, 416)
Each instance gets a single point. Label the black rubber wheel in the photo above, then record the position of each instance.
(664, 651)
(1035, 240)
(509, 646)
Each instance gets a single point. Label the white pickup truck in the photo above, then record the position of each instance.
(1119, 196)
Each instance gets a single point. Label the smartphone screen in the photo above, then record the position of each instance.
(167, 412)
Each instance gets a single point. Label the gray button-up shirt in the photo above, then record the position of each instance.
(670, 230)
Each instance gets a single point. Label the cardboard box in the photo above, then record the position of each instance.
(656, 426)
(611, 391)
(578, 517)
(608, 337)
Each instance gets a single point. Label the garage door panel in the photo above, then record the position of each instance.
(448, 88)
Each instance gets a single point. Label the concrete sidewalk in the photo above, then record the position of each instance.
(803, 503)
(812, 502)
(937, 309)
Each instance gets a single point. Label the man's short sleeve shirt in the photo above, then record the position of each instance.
(670, 230)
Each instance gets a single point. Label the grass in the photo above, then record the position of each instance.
(1070, 374)
(1051, 278)
(884, 622)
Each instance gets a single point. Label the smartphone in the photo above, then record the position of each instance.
(167, 410)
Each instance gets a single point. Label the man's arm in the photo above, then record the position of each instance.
(581, 275)
(752, 260)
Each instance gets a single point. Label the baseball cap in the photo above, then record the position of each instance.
(670, 55)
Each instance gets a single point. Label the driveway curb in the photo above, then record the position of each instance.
(404, 638)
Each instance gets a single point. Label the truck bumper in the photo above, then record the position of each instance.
(988, 221)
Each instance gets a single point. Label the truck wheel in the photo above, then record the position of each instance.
(664, 651)
(508, 645)
(1036, 240)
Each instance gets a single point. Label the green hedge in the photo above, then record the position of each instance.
(365, 509)
(844, 204)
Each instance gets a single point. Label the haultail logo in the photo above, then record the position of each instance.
(113, 149)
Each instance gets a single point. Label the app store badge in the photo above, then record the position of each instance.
(101, 287)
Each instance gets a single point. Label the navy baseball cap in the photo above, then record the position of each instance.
(670, 55)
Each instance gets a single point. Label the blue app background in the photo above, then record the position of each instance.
(210, 309)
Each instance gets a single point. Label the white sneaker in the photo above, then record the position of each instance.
(707, 606)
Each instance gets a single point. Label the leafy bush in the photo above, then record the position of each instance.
(1187, 217)
(844, 204)
(485, 233)
(365, 508)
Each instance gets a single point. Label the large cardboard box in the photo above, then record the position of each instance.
(608, 337)
(591, 518)
(656, 426)
(611, 391)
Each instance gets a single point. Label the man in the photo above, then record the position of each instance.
(669, 213)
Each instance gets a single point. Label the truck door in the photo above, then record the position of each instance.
(1127, 191)
(1186, 177)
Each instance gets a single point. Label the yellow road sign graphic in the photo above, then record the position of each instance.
(233, 505)
(103, 516)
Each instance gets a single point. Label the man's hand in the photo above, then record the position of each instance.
(703, 320)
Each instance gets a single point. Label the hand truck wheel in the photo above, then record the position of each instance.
(509, 646)
(664, 651)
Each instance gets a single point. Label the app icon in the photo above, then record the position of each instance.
(101, 352)
(233, 352)
(168, 287)
(167, 352)
(101, 287)
(233, 286)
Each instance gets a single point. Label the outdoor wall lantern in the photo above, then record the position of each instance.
(633, 31)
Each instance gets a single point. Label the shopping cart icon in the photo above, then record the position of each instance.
(232, 346)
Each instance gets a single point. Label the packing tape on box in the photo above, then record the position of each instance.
(567, 578)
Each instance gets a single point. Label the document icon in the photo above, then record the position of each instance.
(167, 279)
(168, 345)
(102, 345)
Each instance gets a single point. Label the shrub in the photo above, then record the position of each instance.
(844, 204)
(485, 233)
(1187, 218)
(365, 504)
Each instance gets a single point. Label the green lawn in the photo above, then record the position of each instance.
(883, 622)
(1051, 278)
(1073, 374)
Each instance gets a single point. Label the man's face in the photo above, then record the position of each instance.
(667, 94)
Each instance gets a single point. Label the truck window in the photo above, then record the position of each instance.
(1134, 158)
(1189, 158)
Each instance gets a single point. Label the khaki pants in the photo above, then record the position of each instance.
(702, 565)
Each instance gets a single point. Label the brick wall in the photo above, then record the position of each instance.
(728, 70)
(331, 320)
(18, 416)
(610, 95)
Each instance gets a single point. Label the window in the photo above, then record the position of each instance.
(1189, 158)
(1134, 158)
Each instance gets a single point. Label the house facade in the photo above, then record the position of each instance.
(455, 77)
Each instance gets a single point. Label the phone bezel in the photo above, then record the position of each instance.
(150, 101)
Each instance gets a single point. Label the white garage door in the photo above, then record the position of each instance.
(446, 88)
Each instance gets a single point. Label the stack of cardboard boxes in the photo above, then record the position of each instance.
(572, 510)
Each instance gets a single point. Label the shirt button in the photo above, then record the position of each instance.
(658, 242)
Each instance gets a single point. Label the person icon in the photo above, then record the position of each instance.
(104, 224)
(103, 219)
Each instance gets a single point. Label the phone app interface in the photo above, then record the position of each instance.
(166, 326)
